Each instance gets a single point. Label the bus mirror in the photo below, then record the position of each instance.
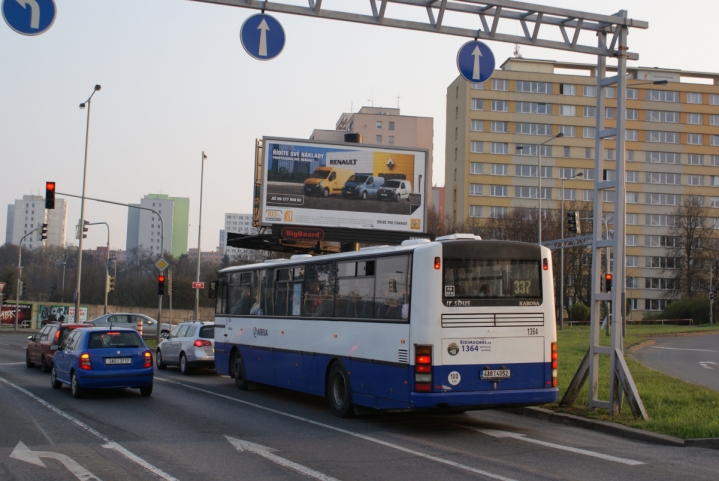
(213, 290)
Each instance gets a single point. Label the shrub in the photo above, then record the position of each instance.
(579, 312)
(696, 308)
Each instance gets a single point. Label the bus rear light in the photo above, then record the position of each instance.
(85, 361)
(555, 364)
(423, 368)
(545, 264)
(437, 263)
(148, 359)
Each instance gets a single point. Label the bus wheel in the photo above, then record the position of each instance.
(238, 369)
(338, 391)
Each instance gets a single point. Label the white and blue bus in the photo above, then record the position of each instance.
(457, 324)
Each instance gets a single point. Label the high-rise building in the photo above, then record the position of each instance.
(240, 224)
(385, 126)
(672, 152)
(144, 229)
(29, 212)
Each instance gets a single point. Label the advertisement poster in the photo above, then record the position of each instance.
(7, 316)
(343, 185)
(52, 313)
(71, 315)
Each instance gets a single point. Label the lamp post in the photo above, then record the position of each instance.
(711, 291)
(199, 236)
(539, 177)
(62, 294)
(88, 102)
(107, 263)
(561, 258)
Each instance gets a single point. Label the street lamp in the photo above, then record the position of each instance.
(88, 102)
(62, 295)
(711, 291)
(539, 177)
(199, 235)
(107, 263)
(561, 257)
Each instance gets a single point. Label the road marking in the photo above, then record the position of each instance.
(11, 363)
(344, 431)
(506, 434)
(704, 364)
(679, 349)
(265, 452)
(108, 441)
(23, 453)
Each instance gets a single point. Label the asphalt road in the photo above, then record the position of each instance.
(691, 358)
(200, 427)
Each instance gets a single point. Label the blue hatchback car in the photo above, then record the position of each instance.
(99, 357)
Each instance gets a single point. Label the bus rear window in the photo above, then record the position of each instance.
(492, 279)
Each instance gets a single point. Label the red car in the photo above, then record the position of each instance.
(39, 346)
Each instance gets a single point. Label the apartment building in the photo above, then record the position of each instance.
(239, 224)
(27, 213)
(144, 229)
(672, 152)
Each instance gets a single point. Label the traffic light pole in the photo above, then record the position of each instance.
(107, 264)
(19, 276)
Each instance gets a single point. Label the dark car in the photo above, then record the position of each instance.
(39, 347)
(102, 358)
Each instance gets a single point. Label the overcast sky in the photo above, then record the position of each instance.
(176, 81)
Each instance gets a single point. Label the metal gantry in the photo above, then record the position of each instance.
(547, 27)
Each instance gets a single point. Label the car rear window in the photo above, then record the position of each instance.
(105, 339)
(207, 332)
(64, 332)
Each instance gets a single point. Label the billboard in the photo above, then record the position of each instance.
(51, 313)
(348, 185)
(7, 315)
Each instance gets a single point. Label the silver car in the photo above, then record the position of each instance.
(189, 345)
(132, 321)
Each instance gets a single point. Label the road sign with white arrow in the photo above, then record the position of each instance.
(262, 37)
(475, 62)
(29, 17)
(23, 453)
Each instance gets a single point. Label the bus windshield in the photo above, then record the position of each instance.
(320, 174)
(492, 278)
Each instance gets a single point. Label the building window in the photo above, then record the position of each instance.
(477, 126)
(662, 178)
(663, 199)
(630, 155)
(497, 212)
(534, 87)
(379, 139)
(662, 137)
(500, 106)
(608, 92)
(590, 91)
(567, 89)
(534, 129)
(609, 112)
(608, 195)
(499, 147)
(498, 191)
(478, 86)
(390, 139)
(531, 150)
(476, 147)
(632, 219)
(500, 84)
(631, 176)
(534, 108)
(587, 152)
(379, 124)
(526, 192)
(694, 139)
(662, 96)
(526, 170)
(588, 196)
(714, 99)
(476, 168)
(695, 159)
(475, 211)
(632, 135)
(663, 157)
(546, 194)
(568, 110)
(391, 125)
(632, 94)
(694, 119)
(632, 114)
(569, 194)
(475, 189)
(590, 111)
(714, 140)
(715, 201)
(610, 154)
(499, 169)
(566, 149)
(697, 180)
(568, 131)
(632, 239)
(662, 116)
(500, 127)
(589, 132)
(477, 104)
(588, 174)
(694, 98)
(567, 172)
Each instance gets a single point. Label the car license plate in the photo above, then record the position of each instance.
(118, 360)
(495, 374)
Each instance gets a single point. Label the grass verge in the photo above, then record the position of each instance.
(675, 407)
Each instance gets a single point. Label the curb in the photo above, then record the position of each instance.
(614, 429)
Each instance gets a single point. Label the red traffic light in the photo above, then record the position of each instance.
(161, 278)
(608, 277)
(50, 186)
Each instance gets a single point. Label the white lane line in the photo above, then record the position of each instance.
(11, 363)
(23, 453)
(265, 452)
(705, 364)
(120, 449)
(680, 349)
(344, 431)
(506, 434)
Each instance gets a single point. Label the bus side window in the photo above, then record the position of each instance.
(239, 294)
(392, 287)
(320, 287)
(221, 296)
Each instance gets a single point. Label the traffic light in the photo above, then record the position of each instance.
(43, 234)
(573, 222)
(161, 284)
(49, 195)
(83, 230)
(20, 287)
(608, 281)
(110, 283)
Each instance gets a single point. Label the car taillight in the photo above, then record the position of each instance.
(423, 368)
(57, 336)
(148, 359)
(202, 342)
(555, 356)
(85, 361)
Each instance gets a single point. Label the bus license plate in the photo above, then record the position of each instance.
(495, 374)
(118, 360)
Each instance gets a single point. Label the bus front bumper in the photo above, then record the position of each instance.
(484, 399)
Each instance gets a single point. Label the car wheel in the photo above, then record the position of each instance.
(146, 390)
(184, 369)
(409, 198)
(75, 389)
(399, 197)
(158, 360)
(364, 195)
(325, 192)
(338, 391)
(53, 379)
(43, 364)
(27, 360)
(238, 368)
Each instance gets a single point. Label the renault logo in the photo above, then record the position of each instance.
(390, 164)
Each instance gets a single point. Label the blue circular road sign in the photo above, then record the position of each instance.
(475, 61)
(262, 37)
(29, 17)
